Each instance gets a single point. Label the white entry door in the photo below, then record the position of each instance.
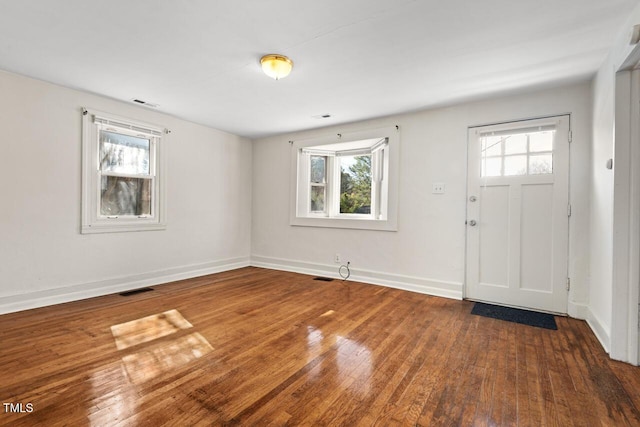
(518, 214)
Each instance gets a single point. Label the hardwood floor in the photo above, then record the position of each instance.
(257, 347)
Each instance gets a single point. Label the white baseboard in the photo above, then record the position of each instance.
(582, 311)
(439, 288)
(47, 297)
(578, 310)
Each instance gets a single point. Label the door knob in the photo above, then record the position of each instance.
(472, 222)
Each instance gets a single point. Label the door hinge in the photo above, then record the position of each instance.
(568, 284)
(569, 210)
(570, 136)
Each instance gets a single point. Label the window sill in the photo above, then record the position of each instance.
(349, 223)
(121, 227)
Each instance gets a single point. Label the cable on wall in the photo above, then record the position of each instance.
(345, 271)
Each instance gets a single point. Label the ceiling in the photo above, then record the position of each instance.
(356, 59)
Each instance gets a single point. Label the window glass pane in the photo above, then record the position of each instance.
(318, 169)
(541, 141)
(355, 184)
(125, 196)
(540, 164)
(515, 144)
(492, 166)
(123, 153)
(492, 146)
(515, 165)
(317, 198)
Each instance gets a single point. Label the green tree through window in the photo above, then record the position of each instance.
(355, 185)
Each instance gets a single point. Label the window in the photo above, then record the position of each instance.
(318, 182)
(356, 184)
(517, 152)
(122, 175)
(346, 181)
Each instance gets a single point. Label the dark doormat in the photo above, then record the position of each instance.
(525, 317)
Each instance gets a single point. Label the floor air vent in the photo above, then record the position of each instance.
(135, 292)
(324, 279)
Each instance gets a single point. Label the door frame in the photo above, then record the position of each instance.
(466, 236)
(625, 328)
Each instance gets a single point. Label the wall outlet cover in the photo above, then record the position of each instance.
(438, 188)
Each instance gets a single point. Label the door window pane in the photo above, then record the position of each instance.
(124, 154)
(515, 144)
(492, 146)
(541, 141)
(492, 166)
(125, 196)
(540, 164)
(515, 165)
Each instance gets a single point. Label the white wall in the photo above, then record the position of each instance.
(607, 302)
(601, 211)
(43, 257)
(427, 252)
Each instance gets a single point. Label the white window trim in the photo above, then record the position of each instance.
(92, 222)
(299, 193)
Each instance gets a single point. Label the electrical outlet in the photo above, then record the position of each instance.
(336, 259)
(438, 188)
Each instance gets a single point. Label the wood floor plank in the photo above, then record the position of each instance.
(425, 378)
(271, 348)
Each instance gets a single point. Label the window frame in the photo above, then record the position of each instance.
(527, 153)
(324, 184)
(385, 171)
(93, 121)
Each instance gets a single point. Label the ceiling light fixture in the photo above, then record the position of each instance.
(276, 66)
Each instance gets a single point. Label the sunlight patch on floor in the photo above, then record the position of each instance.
(161, 356)
(164, 357)
(148, 328)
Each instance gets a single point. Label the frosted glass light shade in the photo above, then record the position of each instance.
(276, 66)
